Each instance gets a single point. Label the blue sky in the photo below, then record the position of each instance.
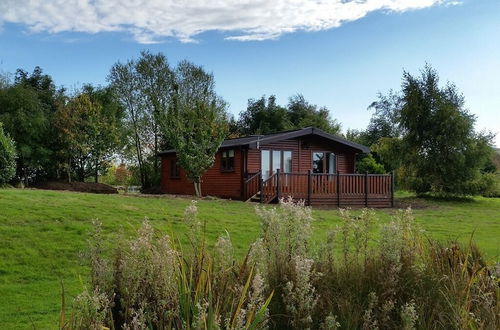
(337, 54)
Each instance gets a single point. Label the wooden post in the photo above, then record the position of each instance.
(366, 189)
(392, 188)
(309, 187)
(261, 187)
(338, 188)
(278, 192)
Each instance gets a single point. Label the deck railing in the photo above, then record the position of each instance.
(270, 189)
(375, 190)
(252, 185)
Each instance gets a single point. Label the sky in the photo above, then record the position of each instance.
(337, 53)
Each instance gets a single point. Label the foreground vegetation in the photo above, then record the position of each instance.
(43, 233)
(398, 281)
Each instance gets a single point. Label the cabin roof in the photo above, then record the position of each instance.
(253, 141)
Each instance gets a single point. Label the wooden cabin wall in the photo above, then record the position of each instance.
(214, 181)
(302, 149)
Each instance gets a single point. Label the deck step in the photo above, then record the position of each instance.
(255, 198)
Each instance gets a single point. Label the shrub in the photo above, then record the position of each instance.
(357, 279)
(489, 184)
(368, 164)
(7, 157)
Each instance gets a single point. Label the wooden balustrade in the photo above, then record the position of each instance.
(251, 185)
(269, 189)
(370, 190)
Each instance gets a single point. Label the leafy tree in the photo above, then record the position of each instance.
(196, 124)
(155, 81)
(90, 125)
(429, 131)
(303, 114)
(263, 116)
(27, 109)
(144, 89)
(7, 157)
(124, 81)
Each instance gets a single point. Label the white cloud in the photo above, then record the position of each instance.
(148, 21)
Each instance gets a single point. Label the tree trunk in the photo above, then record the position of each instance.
(197, 187)
(96, 170)
(68, 169)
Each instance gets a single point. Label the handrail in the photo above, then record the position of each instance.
(269, 178)
(252, 177)
(251, 185)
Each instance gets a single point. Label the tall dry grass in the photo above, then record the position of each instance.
(360, 278)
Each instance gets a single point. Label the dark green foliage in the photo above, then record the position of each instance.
(27, 108)
(303, 114)
(368, 164)
(264, 117)
(7, 157)
(90, 126)
(489, 184)
(427, 131)
(144, 88)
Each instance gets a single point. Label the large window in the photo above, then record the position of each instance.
(272, 160)
(323, 162)
(227, 160)
(276, 160)
(318, 162)
(265, 164)
(287, 161)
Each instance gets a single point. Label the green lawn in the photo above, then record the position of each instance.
(42, 234)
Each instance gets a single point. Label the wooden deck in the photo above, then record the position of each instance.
(342, 190)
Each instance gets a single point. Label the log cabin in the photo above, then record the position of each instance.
(305, 164)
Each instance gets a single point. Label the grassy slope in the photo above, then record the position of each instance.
(42, 234)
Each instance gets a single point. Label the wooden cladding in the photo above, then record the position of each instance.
(236, 174)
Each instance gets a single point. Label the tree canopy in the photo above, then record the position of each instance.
(426, 130)
(7, 157)
(196, 124)
(266, 116)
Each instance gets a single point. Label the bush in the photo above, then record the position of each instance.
(7, 157)
(368, 164)
(357, 279)
(489, 184)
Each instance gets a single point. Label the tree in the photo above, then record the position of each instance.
(433, 136)
(155, 81)
(263, 117)
(7, 157)
(90, 126)
(144, 89)
(125, 84)
(368, 164)
(27, 109)
(303, 114)
(196, 124)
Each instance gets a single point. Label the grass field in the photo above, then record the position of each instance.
(43, 233)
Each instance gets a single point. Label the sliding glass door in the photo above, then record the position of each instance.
(272, 160)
